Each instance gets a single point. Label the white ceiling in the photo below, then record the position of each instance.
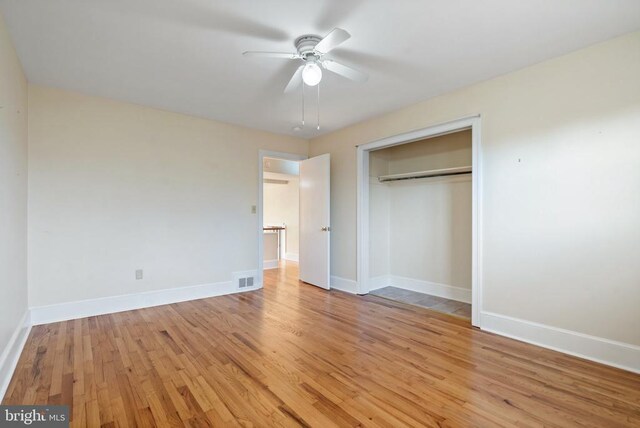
(185, 55)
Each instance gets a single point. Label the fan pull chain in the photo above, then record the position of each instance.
(303, 104)
(318, 128)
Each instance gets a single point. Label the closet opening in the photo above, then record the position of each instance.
(418, 216)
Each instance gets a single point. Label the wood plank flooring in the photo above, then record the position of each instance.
(296, 355)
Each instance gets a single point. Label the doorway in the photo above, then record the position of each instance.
(418, 216)
(281, 215)
(293, 218)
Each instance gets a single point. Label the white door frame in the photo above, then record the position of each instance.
(260, 209)
(471, 122)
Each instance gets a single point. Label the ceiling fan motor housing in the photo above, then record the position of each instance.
(311, 49)
(306, 45)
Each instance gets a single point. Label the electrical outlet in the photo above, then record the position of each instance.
(139, 274)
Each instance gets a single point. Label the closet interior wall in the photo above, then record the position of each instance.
(420, 229)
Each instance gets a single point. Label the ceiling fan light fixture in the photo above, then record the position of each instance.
(311, 74)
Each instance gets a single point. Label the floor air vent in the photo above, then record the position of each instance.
(245, 280)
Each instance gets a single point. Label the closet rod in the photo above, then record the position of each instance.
(425, 174)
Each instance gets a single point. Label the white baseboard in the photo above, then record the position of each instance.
(432, 288)
(294, 257)
(11, 353)
(377, 282)
(108, 305)
(343, 284)
(270, 264)
(617, 354)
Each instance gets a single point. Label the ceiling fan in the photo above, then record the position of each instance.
(311, 50)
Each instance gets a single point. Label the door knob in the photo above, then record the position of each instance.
(326, 229)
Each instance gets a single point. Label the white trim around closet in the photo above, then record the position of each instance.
(473, 123)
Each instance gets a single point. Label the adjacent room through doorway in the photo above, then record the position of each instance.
(281, 213)
(294, 216)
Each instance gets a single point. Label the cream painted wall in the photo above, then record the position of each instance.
(445, 151)
(561, 183)
(281, 205)
(430, 236)
(115, 187)
(13, 190)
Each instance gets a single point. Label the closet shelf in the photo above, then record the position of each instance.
(425, 174)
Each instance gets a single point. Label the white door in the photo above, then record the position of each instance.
(314, 221)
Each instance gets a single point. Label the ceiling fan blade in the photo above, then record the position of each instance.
(343, 70)
(281, 55)
(332, 40)
(295, 81)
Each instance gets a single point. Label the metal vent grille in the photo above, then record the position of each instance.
(246, 282)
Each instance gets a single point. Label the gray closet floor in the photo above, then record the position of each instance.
(439, 304)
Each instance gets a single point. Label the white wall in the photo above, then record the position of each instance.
(115, 187)
(280, 166)
(281, 205)
(270, 243)
(13, 199)
(561, 197)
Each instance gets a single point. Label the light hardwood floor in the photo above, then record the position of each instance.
(293, 354)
